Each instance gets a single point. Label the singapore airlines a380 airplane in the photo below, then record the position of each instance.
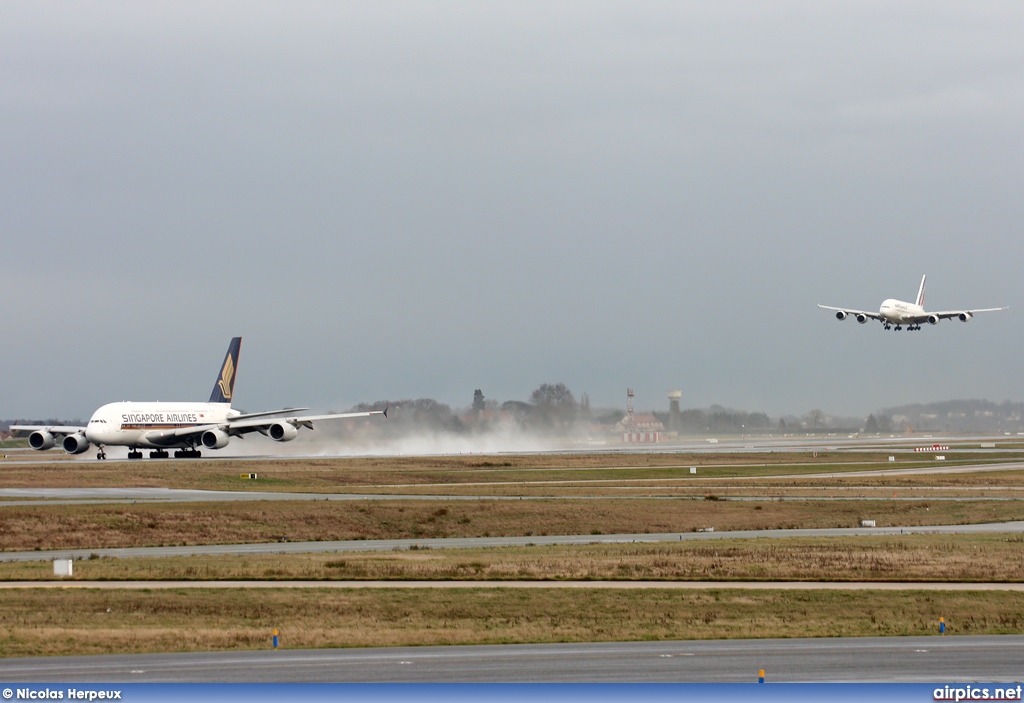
(181, 426)
(896, 313)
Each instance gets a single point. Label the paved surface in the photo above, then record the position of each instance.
(474, 542)
(598, 585)
(892, 659)
(59, 496)
(919, 470)
(81, 496)
(114, 496)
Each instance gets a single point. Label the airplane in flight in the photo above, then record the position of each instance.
(181, 426)
(896, 313)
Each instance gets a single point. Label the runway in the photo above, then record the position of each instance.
(868, 659)
(692, 445)
(23, 497)
(511, 541)
(527, 585)
(87, 495)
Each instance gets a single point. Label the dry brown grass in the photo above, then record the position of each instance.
(341, 474)
(94, 526)
(80, 622)
(530, 475)
(105, 622)
(925, 558)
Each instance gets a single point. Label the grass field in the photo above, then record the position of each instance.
(100, 622)
(93, 526)
(93, 621)
(497, 475)
(924, 558)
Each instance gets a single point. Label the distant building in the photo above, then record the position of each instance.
(645, 429)
(641, 423)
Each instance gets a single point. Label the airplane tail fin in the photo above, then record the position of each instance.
(224, 388)
(920, 293)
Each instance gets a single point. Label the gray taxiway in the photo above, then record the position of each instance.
(510, 541)
(861, 659)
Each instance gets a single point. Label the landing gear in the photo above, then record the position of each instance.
(887, 326)
(898, 328)
(134, 453)
(101, 455)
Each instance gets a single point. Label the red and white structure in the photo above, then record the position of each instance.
(639, 429)
(641, 437)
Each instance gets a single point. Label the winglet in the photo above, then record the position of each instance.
(920, 292)
(224, 387)
(386, 411)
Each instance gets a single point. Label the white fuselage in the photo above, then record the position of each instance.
(126, 424)
(897, 311)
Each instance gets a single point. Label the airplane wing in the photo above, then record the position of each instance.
(947, 314)
(252, 422)
(52, 429)
(843, 312)
(265, 413)
(234, 425)
(963, 315)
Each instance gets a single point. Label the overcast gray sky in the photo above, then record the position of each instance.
(407, 199)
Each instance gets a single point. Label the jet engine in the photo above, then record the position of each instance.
(861, 318)
(75, 443)
(964, 316)
(215, 439)
(283, 432)
(840, 315)
(41, 439)
(933, 319)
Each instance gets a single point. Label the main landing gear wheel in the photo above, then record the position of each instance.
(134, 454)
(187, 454)
(159, 454)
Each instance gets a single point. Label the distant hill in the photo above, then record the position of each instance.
(959, 416)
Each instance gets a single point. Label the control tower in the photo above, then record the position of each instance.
(674, 420)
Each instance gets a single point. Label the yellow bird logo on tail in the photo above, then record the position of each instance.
(227, 377)
(224, 384)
